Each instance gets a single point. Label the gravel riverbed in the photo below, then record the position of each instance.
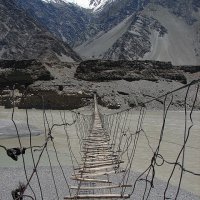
(10, 178)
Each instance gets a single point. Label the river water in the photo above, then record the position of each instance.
(171, 144)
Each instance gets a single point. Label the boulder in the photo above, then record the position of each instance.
(23, 72)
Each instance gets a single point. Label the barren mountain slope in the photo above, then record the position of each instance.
(23, 38)
(158, 31)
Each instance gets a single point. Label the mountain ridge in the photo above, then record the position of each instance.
(24, 38)
(87, 31)
(179, 45)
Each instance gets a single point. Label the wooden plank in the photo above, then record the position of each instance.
(105, 160)
(103, 139)
(97, 145)
(99, 165)
(88, 175)
(99, 196)
(97, 148)
(97, 140)
(92, 142)
(106, 155)
(90, 180)
(99, 187)
(102, 162)
(99, 135)
(96, 151)
(99, 157)
(102, 157)
(101, 154)
(98, 168)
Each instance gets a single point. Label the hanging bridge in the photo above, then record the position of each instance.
(108, 146)
(99, 160)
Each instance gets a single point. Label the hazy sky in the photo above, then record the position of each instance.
(83, 3)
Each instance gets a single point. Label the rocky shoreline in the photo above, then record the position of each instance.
(118, 84)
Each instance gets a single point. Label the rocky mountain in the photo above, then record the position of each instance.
(68, 22)
(129, 40)
(158, 30)
(21, 37)
(164, 30)
(22, 72)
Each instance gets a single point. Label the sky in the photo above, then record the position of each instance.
(83, 3)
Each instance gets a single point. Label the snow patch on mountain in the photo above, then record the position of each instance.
(98, 5)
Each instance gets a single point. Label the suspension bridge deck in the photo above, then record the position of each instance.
(98, 162)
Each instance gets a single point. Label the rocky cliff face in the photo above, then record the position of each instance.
(23, 38)
(136, 42)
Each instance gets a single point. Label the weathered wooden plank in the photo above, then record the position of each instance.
(97, 148)
(95, 144)
(99, 187)
(96, 151)
(99, 165)
(98, 156)
(88, 175)
(99, 196)
(98, 168)
(103, 139)
(97, 140)
(103, 162)
(89, 141)
(99, 161)
(90, 180)
(101, 153)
